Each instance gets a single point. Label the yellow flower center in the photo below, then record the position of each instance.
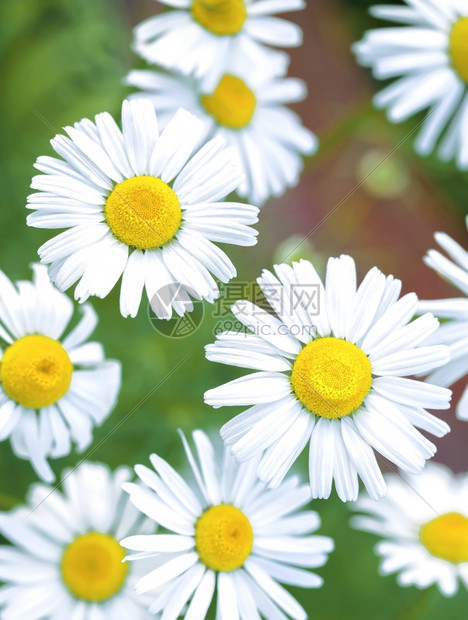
(143, 212)
(221, 17)
(92, 567)
(223, 538)
(459, 47)
(232, 104)
(36, 371)
(331, 377)
(446, 537)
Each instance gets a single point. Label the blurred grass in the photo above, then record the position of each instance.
(64, 60)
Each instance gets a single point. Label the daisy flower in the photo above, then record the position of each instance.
(424, 524)
(247, 110)
(54, 386)
(203, 37)
(427, 53)
(225, 533)
(65, 560)
(332, 370)
(454, 331)
(141, 204)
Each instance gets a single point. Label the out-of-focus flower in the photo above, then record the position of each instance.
(65, 560)
(427, 52)
(54, 386)
(143, 205)
(424, 524)
(226, 533)
(332, 370)
(203, 37)
(381, 176)
(454, 330)
(268, 139)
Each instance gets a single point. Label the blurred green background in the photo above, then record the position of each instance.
(62, 60)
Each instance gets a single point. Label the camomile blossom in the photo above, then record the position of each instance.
(141, 204)
(332, 371)
(423, 524)
(226, 537)
(248, 111)
(64, 560)
(454, 312)
(54, 385)
(426, 52)
(203, 37)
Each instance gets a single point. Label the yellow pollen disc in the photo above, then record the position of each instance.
(232, 104)
(143, 212)
(92, 567)
(35, 371)
(446, 537)
(331, 377)
(223, 538)
(459, 47)
(221, 17)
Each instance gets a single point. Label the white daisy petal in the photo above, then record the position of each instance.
(412, 361)
(425, 53)
(341, 289)
(408, 336)
(227, 608)
(139, 131)
(390, 440)
(176, 484)
(344, 386)
(321, 457)
(186, 569)
(397, 315)
(416, 529)
(9, 417)
(462, 407)
(453, 332)
(175, 145)
(364, 460)
(44, 404)
(194, 34)
(344, 470)
(420, 418)
(56, 538)
(202, 598)
(275, 591)
(133, 282)
(239, 106)
(410, 392)
(83, 330)
(265, 325)
(161, 575)
(266, 431)
(112, 194)
(280, 456)
(159, 543)
(154, 508)
(206, 457)
(271, 29)
(260, 387)
(182, 592)
(245, 598)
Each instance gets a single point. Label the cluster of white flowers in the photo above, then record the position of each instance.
(334, 371)
(213, 57)
(427, 52)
